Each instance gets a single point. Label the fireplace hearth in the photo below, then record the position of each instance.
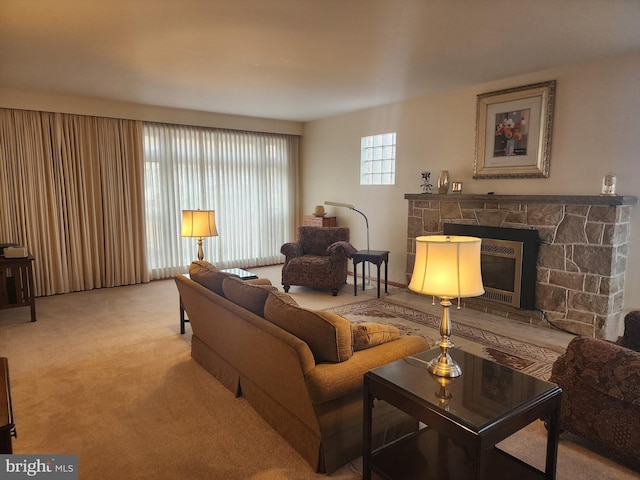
(508, 258)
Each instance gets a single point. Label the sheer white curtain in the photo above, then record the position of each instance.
(248, 178)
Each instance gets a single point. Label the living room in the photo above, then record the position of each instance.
(596, 103)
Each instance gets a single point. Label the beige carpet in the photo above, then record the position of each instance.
(106, 375)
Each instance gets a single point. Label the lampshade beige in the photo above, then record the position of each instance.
(447, 266)
(199, 224)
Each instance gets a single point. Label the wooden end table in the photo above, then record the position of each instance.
(374, 256)
(16, 284)
(465, 418)
(7, 427)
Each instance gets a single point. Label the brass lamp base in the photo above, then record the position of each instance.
(443, 365)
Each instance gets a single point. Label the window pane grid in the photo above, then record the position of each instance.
(377, 159)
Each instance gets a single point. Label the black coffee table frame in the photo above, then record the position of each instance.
(428, 453)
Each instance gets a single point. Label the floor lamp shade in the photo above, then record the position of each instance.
(448, 267)
(199, 224)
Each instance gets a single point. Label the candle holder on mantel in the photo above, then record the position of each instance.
(609, 184)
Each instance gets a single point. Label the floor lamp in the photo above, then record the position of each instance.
(366, 220)
(199, 224)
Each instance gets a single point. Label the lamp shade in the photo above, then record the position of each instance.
(199, 223)
(447, 266)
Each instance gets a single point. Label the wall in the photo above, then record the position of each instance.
(48, 102)
(593, 133)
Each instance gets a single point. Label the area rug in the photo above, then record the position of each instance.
(531, 359)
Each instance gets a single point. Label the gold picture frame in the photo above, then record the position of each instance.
(513, 132)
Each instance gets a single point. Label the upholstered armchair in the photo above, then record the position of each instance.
(600, 383)
(310, 262)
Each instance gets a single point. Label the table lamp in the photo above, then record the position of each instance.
(448, 267)
(199, 224)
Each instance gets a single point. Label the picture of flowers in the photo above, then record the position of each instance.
(513, 132)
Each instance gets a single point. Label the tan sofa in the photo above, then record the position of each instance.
(296, 367)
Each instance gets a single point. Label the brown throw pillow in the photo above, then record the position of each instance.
(368, 334)
(208, 276)
(251, 297)
(328, 335)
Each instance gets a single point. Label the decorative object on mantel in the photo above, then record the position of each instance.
(426, 186)
(443, 181)
(447, 266)
(456, 187)
(609, 184)
(319, 211)
(513, 132)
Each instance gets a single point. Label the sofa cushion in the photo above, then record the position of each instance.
(208, 276)
(246, 295)
(369, 334)
(328, 335)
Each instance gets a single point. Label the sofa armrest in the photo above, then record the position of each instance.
(291, 250)
(607, 367)
(328, 381)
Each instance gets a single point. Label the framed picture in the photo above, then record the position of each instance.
(513, 132)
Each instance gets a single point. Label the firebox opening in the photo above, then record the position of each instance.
(508, 260)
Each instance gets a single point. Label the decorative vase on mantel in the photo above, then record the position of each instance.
(443, 181)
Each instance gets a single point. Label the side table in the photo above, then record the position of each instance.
(16, 284)
(465, 418)
(373, 256)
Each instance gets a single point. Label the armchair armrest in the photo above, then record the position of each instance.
(328, 381)
(291, 250)
(607, 367)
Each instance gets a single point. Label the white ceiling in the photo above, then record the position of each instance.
(297, 59)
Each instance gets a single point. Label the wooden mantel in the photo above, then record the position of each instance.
(548, 199)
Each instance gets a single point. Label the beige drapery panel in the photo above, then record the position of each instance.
(71, 191)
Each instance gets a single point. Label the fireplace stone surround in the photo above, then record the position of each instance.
(582, 256)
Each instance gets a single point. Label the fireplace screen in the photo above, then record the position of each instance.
(501, 262)
(508, 259)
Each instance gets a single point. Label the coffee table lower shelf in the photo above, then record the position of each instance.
(428, 455)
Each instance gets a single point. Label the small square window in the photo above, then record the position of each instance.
(378, 159)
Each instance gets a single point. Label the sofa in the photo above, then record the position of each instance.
(301, 370)
(319, 258)
(600, 383)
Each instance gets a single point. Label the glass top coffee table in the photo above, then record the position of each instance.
(465, 418)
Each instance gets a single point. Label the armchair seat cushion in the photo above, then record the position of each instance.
(320, 265)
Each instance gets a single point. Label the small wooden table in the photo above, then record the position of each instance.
(373, 256)
(7, 427)
(16, 284)
(465, 418)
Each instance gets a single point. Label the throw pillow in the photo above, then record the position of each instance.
(328, 335)
(245, 295)
(208, 276)
(368, 334)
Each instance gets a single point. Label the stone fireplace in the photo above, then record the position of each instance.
(582, 255)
